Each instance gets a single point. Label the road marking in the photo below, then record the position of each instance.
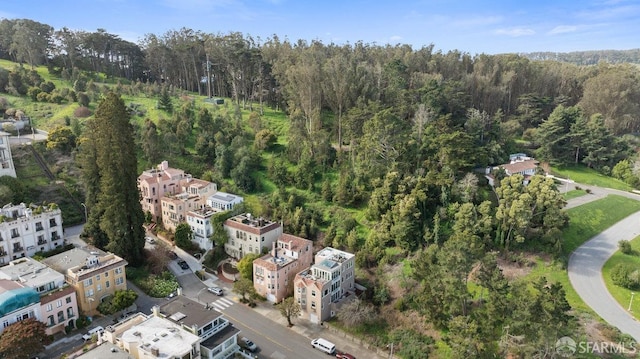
(260, 334)
(222, 304)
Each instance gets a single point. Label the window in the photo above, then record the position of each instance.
(14, 233)
(68, 300)
(88, 292)
(118, 270)
(106, 274)
(98, 277)
(50, 321)
(61, 316)
(59, 303)
(49, 307)
(313, 293)
(5, 324)
(70, 313)
(313, 304)
(88, 282)
(99, 287)
(107, 284)
(119, 280)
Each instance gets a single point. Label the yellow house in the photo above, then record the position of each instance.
(93, 274)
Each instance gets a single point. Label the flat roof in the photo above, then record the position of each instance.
(220, 337)
(188, 312)
(162, 334)
(71, 258)
(105, 350)
(30, 272)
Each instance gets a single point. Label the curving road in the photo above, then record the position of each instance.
(585, 264)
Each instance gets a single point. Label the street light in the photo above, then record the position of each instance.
(631, 301)
(85, 212)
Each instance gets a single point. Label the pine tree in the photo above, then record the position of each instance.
(164, 103)
(111, 174)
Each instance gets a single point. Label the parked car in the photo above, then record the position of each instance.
(183, 264)
(172, 255)
(95, 331)
(215, 290)
(150, 240)
(171, 295)
(248, 344)
(341, 355)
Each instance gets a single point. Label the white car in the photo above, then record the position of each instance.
(248, 344)
(215, 290)
(95, 331)
(150, 240)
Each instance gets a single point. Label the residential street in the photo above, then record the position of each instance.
(585, 264)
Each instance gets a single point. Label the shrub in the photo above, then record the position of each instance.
(625, 276)
(625, 247)
(82, 112)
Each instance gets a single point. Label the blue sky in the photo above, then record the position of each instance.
(470, 26)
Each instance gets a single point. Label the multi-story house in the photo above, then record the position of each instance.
(321, 287)
(27, 230)
(248, 234)
(152, 336)
(6, 160)
(94, 275)
(17, 302)
(192, 197)
(219, 336)
(58, 304)
(519, 163)
(155, 183)
(222, 201)
(273, 273)
(201, 227)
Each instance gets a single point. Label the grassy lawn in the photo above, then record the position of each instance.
(585, 222)
(585, 175)
(623, 295)
(574, 194)
(592, 218)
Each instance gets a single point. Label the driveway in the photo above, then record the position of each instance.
(585, 264)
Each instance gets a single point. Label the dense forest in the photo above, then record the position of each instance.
(379, 156)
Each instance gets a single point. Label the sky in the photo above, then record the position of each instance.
(471, 26)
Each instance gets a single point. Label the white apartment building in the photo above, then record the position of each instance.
(17, 302)
(27, 230)
(201, 227)
(222, 201)
(6, 160)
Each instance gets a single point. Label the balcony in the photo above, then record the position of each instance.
(15, 234)
(3, 252)
(55, 236)
(42, 241)
(18, 249)
(39, 228)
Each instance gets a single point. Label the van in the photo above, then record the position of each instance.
(324, 345)
(95, 331)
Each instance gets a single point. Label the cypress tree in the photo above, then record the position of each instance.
(114, 164)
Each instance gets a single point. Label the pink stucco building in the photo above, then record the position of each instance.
(155, 183)
(273, 273)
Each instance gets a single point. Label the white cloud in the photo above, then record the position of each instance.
(395, 39)
(515, 32)
(562, 29)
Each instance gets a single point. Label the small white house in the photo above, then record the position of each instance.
(222, 201)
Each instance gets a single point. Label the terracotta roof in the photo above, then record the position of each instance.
(197, 183)
(297, 243)
(518, 167)
(266, 263)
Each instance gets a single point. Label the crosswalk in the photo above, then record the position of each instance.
(222, 304)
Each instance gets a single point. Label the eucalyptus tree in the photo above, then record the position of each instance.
(31, 41)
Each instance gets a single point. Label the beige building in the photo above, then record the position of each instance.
(94, 275)
(319, 288)
(155, 183)
(273, 273)
(248, 234)
(192, 197)
(58, 304)
(152, 336)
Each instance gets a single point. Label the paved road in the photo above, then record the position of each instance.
(585, 264)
